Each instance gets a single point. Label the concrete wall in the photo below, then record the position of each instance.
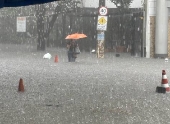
(169, 38)
(152, 7)
(152, 17)
(152, 36)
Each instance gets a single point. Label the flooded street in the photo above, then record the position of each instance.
(113, 90)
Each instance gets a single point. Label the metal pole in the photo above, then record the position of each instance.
(144, 29)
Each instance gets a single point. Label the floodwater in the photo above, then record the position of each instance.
(113, 90)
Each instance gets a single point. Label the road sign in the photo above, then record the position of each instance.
(102, 23)
(103, 11)
(100, 36)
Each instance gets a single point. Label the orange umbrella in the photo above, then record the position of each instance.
(76, 36)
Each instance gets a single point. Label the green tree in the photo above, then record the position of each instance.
(60, 7)
(122, 3)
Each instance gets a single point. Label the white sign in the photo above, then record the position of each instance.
(103, 11)
(21, 24)
(102, 23)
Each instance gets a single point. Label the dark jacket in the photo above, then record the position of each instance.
(71, 46)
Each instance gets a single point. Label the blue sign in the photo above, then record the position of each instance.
(100, 36)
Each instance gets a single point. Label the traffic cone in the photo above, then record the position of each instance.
(21, 85)
(164, 84)
(56, 59)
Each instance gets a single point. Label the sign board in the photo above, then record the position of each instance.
(100, 36)
(102, 23)
(21, 24)
(103, 11)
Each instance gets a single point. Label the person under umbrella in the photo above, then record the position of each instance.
(71, 46)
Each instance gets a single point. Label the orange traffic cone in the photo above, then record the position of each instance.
(21, 85)
(164, 84)
(56, 59)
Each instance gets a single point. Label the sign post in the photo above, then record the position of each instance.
(21, 24)
(101, 27)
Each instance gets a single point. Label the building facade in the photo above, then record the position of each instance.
(157, 28)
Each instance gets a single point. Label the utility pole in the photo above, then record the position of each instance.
(101, 3)
(101, 28)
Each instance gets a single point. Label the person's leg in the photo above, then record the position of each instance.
(69, 56)
(74, 57)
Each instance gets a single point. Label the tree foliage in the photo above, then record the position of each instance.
(122, 3)
(59, 7)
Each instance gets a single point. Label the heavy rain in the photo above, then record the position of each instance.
(119, 75)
